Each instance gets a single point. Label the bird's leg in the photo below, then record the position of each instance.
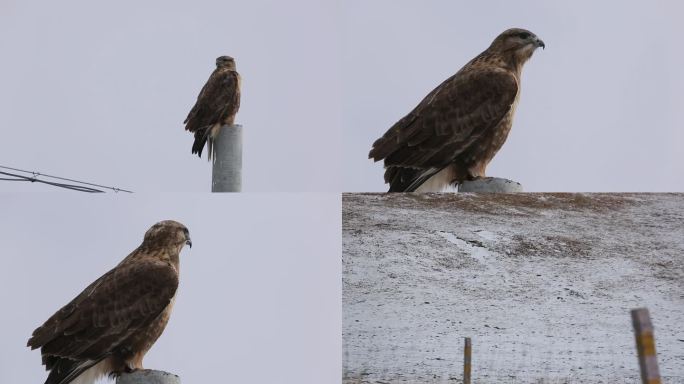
(126, 367)
(469, 176)
(123, 362)
(474, 177)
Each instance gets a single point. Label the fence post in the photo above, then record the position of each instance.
(490, 184)
(226, 174)
(643, 332)
(466, 360)
(148, 376)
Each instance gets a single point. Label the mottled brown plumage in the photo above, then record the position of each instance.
(217, 104)
(457, 129)
(108, 328)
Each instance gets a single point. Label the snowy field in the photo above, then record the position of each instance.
(542, 283)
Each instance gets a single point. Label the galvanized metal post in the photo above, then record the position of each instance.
(643, 332)
(490, 184)
(148, 376)
(467, 350)
(226, 175)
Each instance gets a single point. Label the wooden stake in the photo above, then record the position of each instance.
(466, 360)
(643, 332)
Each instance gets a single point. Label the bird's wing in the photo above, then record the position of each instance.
(110, 310)
(218, 98)
(448, 120)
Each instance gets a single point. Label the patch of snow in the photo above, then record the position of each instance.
(478, 253)
(542, 283)
(487, 235)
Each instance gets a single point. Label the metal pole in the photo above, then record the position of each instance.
(490, 184)
(148, 376)
(226, 175)
(466, 360)
(643, 332)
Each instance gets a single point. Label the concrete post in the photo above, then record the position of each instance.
(490, 184)
(643, 332)
(148, 376)
(467, 350)
(226, 175)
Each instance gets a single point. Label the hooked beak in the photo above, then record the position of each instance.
(539, 43)
(188, 241)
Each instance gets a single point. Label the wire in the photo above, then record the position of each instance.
(83, 187)
(61, 185)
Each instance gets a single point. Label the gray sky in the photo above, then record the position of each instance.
(98, 91)
(601, 107)
(260, 291)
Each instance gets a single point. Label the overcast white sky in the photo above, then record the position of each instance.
(601, 107)
(98, 91)
(260, 290)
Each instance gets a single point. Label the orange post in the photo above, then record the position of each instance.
(643, 332)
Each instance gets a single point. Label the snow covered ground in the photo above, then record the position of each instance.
(543, 283)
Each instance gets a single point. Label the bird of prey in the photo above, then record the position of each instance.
(108, 328)
(217, 104)
(456, 130)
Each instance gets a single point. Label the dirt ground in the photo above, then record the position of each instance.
(542, 283)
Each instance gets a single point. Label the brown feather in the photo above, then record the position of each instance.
(119, 315)
(462, 123)
(217, 104)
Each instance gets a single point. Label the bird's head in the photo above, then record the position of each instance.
(168, 233)
(225, 62)
(518, 42)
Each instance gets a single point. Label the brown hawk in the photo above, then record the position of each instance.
(217, 104)
(108, 328)
(456, 130)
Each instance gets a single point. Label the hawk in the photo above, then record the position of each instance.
(456, 130)
(217, 104)
(108, 328)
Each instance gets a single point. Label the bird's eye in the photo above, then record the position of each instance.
(524, 35)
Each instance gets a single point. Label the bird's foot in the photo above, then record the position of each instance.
(456, 183)
(473, 177)
(127, 368)
(130, 369)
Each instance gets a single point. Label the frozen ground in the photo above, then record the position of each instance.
(543, 283)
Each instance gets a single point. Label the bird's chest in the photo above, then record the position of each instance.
(484, 149)
(233, 104)
(143, 340)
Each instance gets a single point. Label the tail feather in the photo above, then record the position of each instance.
(64, 371)
(68, 371)
(210, 148)
(407, 179)
(61, 368)
(202, 137)
(200, 140)
(400, 179)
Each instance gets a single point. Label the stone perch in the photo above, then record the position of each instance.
(148, 376)
(226, 175)
(491, 184)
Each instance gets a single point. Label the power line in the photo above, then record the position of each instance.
(80, 186)
(61, 185)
